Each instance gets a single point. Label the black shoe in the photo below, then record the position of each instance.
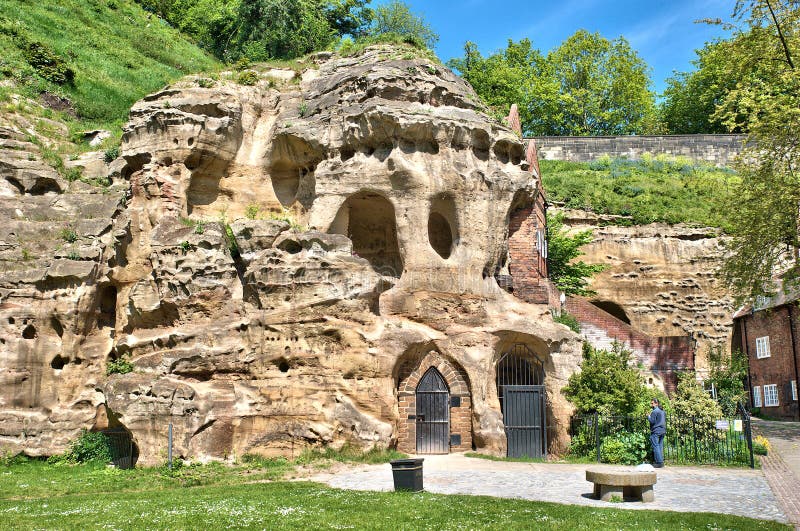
(658, 465)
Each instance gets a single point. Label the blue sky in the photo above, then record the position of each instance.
(663, 32)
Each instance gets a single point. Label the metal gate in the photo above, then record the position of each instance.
(433, 414)
(520, 386)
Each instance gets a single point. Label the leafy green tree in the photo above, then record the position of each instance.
(587, 86)
(692, 401)
(606, 383)
(727, 373)
(764, 208)
(691, 98)
(396, 17)
(348, 17)
(569, 275)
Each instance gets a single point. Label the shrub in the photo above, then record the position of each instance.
(69, 235)
(88, 447)
(121, 365)
(761, 445)
(45, 61)
(111, 154)
(205, 82)
(73, 174)
(624, 449)
(252, 210)
(248, 77)
(570, 321)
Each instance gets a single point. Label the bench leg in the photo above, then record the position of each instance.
(597, 490)
(607, 491)
(647, 494)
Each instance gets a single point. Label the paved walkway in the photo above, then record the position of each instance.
(782, 466)
(742, 492)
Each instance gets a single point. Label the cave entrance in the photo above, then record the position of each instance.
(368, 219)
(614, 309)
(107, 316)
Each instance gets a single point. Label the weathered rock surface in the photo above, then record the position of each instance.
(391, 193)
(663, 277)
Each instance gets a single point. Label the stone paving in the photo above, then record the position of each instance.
(737, 491)
(782, 466)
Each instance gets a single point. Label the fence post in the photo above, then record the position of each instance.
(748, 433)
(597, 434)
(169, 449)
(694, 437)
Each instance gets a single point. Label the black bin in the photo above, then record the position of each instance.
(407, 474)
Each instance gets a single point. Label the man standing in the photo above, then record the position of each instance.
(658, 427)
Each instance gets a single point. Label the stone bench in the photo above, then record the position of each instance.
(622, 482)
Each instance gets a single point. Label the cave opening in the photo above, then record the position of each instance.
(107, 316)
(443, 226)
(368, 219)
(614, 309)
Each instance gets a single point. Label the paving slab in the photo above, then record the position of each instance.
(737, 491)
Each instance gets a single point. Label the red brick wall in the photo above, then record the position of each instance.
(666, 356)
(779, 368)
(409, 376)
(526, 265)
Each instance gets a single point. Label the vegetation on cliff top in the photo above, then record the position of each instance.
(101, 56)
(654, 189)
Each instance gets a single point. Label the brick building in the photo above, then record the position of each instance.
(768, 333)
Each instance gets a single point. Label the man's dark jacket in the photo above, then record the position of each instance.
(658, 421)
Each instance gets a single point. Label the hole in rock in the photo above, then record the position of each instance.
(11, 320)
(614, 309)
(58, 363)
(368, 219)
(57, 327)
(290, 246)
(29, 332)
(443, 225)
(107, 306)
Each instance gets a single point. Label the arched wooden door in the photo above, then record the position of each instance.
(433, 414)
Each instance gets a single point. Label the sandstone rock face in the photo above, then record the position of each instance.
(283, 257)
(662, 277)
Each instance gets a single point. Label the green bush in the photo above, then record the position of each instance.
(69, 235)
(45, 61)
(121, 365)
(88, 447)
(111, 154)
(569, 320)
(624, 449)
(759, 449)
(248, 77)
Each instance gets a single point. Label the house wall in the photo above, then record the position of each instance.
(780, 367)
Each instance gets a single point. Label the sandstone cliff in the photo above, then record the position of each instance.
(661, 278)
(278, 262)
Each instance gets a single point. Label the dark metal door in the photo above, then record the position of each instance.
(523, 416)
(433, 414)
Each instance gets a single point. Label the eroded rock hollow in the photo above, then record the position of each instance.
(285, 265)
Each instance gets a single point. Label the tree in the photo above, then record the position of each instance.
(348, 17)
(691, 401)
(281, 29)
(728, 372)
(691, 98)
(570, 276)
(397, 18)
(765, 206)
(587, 86)
(606, 383)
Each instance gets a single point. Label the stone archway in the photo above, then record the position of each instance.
(411, 369)
(368, 219)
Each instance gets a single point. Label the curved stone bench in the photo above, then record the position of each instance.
(622, 482)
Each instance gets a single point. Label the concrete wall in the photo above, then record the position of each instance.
(719, 150)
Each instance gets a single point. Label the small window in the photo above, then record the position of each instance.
(794, 390)
(771, 395)
(762, 347)
(756, 396)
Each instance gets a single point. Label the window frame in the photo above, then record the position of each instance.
(768, 395)
(762, 348)
(794, 390)
(757, 402)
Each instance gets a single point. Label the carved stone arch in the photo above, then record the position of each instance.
(409, 371)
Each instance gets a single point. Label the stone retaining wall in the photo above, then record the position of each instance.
(719, 150)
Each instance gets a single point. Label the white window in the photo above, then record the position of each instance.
(794, 390)
(756, 396)
(762, 347)
(770, 395)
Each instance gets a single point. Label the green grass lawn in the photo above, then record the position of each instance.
(649, 190)
(118, 52)
(36, 495)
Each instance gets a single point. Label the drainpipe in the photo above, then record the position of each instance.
(746, 346)
(794, 352)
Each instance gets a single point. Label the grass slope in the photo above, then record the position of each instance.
(648, 190)
(35, 495)
(118, 51)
